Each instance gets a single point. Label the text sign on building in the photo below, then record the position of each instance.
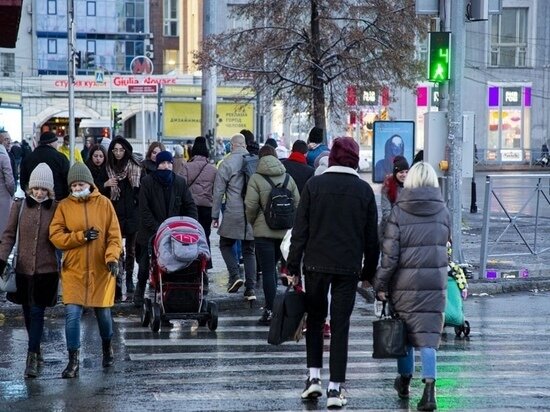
(511, 96)
(141, 65)
(142, 89)
(368, 97)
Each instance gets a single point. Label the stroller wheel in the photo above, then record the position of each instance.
(466, 328)
(146, 313)
(155, 322)
(458, 331)
(213, 320)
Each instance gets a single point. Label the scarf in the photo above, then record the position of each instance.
(298, 157)
(164, 177)
(130, 171)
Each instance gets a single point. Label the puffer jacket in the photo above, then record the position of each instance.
(85, 277)
(200, 176)
(229, 182)
(413, 268)
(257, 195)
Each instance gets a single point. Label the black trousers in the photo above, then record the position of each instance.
(343, 289)
(205, 219)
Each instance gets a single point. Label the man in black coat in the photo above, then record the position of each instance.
(47, 152)
(296, 164)
(335, 232)
(162, 194)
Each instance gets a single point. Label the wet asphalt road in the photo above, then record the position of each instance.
(502, 366)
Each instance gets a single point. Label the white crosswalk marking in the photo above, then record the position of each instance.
(235, 364)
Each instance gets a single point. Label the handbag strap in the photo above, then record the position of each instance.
(389, 313)
(16, 245)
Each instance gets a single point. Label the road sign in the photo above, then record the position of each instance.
(99, 76)
(142, 89)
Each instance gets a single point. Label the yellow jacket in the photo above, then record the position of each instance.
(85, 277)
(65, 150)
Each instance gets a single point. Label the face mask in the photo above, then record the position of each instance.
(82, 194)
(39, 200)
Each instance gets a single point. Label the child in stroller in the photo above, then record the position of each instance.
(178, 280)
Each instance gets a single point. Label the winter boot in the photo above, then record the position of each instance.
(401, 385)
(31, 371)
(71, 371)
(427, 403)
(40, 358)
(139, 292)
(129, 283)
(108, 358)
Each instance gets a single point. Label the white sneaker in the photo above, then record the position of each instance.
(335, 399)
(313, 389)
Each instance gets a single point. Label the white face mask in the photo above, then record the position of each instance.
(82, 194)
(39, 200)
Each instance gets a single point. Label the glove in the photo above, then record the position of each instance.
(3, 264)
(113, 268)
(91, 234)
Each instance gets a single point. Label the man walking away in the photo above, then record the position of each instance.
(296, 164)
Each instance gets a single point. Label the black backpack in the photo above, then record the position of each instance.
(279, 211)
(248, 168)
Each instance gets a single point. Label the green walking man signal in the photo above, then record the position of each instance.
(439, 56)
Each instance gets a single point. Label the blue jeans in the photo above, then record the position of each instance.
(73, 313)
(34, 323)
(405, 365)
(268, 251)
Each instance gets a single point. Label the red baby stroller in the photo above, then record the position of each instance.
(177, 275)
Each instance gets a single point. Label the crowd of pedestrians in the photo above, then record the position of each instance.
(93, 220)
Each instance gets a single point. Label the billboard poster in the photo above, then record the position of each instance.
(183, 119)
(390, 139)
(11, 121)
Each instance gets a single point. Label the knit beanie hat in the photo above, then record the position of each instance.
(47, 137)
(79, 172)
(399, 164)
(315, 135)
(199, 147)
(344, 152)
(164, 156)
(41, 176)
(271, 142)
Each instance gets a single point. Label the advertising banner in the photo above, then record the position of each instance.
(390, 139)
(183, 119)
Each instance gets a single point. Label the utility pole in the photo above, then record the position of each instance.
(71, 73)
(450, 98)
(208, 93)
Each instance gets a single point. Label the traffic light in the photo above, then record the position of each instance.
(439, 56)
(78, 59)
(90, 59)
(117, 119)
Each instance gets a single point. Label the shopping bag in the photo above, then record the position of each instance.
(288, 313)
(7, 280)
(389, 336)
(454, 314)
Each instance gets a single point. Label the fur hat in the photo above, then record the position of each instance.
(344, 152)
(178, 150)
(41, 176)
(315, 135)
(199, 147)
(164, 156)
(47, 138)
(399, 164)
(79, 172)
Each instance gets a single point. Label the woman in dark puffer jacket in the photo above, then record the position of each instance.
(413, 274)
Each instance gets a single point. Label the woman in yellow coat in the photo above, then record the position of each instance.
(86, 229)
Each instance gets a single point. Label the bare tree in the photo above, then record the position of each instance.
(306, 52)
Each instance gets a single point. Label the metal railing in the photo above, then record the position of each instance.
(515, 217)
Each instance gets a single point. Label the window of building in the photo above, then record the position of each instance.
(52, 46)
(52, 6)
(171, 58)
(90, 8)
(90, 46)
(8, 62)
(509, 38)
(170, 17)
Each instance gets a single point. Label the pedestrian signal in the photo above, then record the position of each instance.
(439, 56)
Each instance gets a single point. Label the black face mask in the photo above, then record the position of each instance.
(164, 177)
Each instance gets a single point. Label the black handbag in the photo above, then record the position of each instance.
(389, 336)
(288, 314)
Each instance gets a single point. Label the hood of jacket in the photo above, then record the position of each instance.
(270, 166)
(421, 201)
